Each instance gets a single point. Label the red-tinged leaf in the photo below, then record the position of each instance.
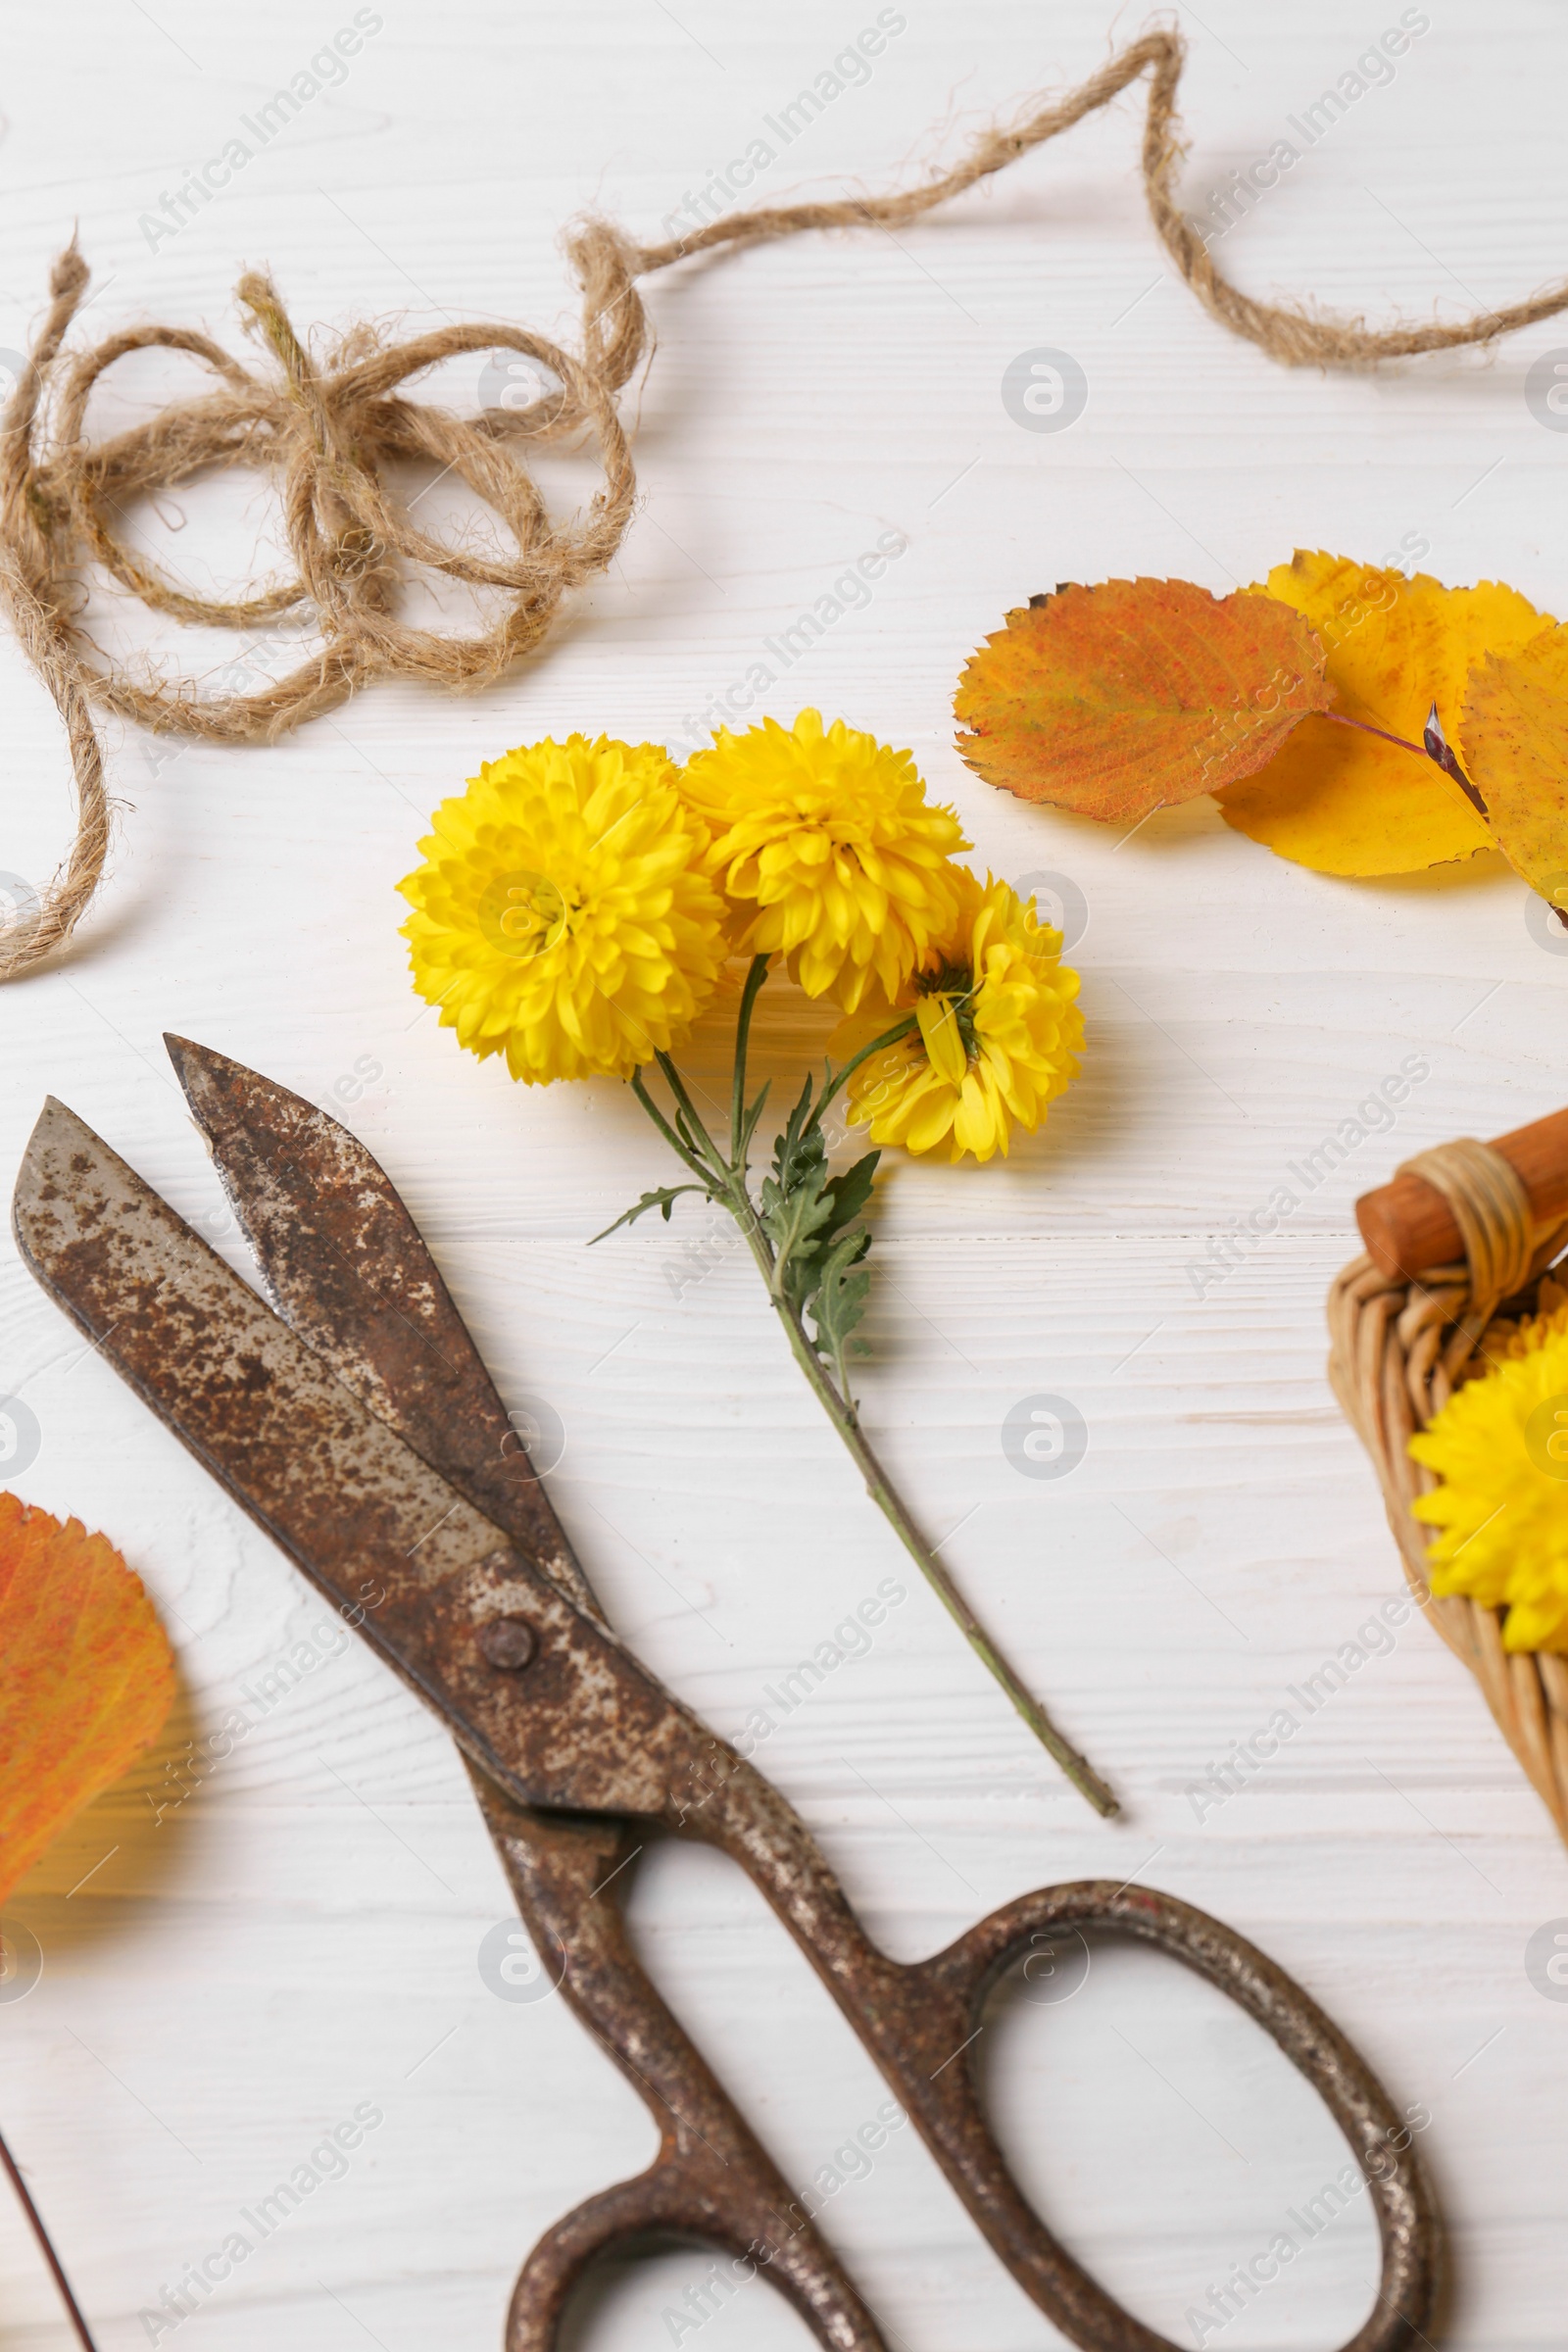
(88, 1676)
(1136, 695)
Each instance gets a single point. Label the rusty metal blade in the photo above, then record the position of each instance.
(346, 1267)
(415, 1567)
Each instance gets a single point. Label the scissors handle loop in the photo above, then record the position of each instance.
(935, 2047)
(711, 2181)
(921, 2024)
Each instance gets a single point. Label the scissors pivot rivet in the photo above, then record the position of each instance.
(507, 1641)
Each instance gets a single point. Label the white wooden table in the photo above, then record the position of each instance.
(222, 1986)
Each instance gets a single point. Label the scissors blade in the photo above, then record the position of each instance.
(415, 1566)
(345, 1265)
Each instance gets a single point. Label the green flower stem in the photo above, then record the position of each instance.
(666, 1131)
(694, 1121)
(725, 1182)
(743, 1031)
(840, 1412)
(889, 1036)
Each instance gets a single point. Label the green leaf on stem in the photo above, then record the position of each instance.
(792, 1219)
(837, 1281)
(683, 1130)
(839, 1301)
(748, 1123)
(811, 1220)
(664, 1200)
(852, 1190)
(800, 1148)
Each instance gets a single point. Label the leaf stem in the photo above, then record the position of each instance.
(13, 2171)
(1364, 727)
(1434, 748)
(743, 1032)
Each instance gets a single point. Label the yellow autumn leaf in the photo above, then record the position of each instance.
(1515, 735)
(1335, 798)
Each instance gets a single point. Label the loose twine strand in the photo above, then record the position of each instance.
(327, 434)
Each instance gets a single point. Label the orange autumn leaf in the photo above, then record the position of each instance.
(1136, 695)
(1339, 800)
(1515, 736)
(88, 1682)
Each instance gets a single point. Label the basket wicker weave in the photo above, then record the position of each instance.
(1398, 1350)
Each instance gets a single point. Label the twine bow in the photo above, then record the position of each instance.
(328, 434)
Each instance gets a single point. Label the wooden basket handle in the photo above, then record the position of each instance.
(1409, 1226)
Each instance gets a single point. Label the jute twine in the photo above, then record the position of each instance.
(1398, 1350)
(327, 432)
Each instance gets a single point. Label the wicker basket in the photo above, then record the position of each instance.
(1398, 1349)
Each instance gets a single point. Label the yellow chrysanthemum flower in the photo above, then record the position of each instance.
(1500, 1447)
(562, 916)
(829, 852)
(998, 1035)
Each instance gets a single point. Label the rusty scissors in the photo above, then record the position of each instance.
(357, 1426)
